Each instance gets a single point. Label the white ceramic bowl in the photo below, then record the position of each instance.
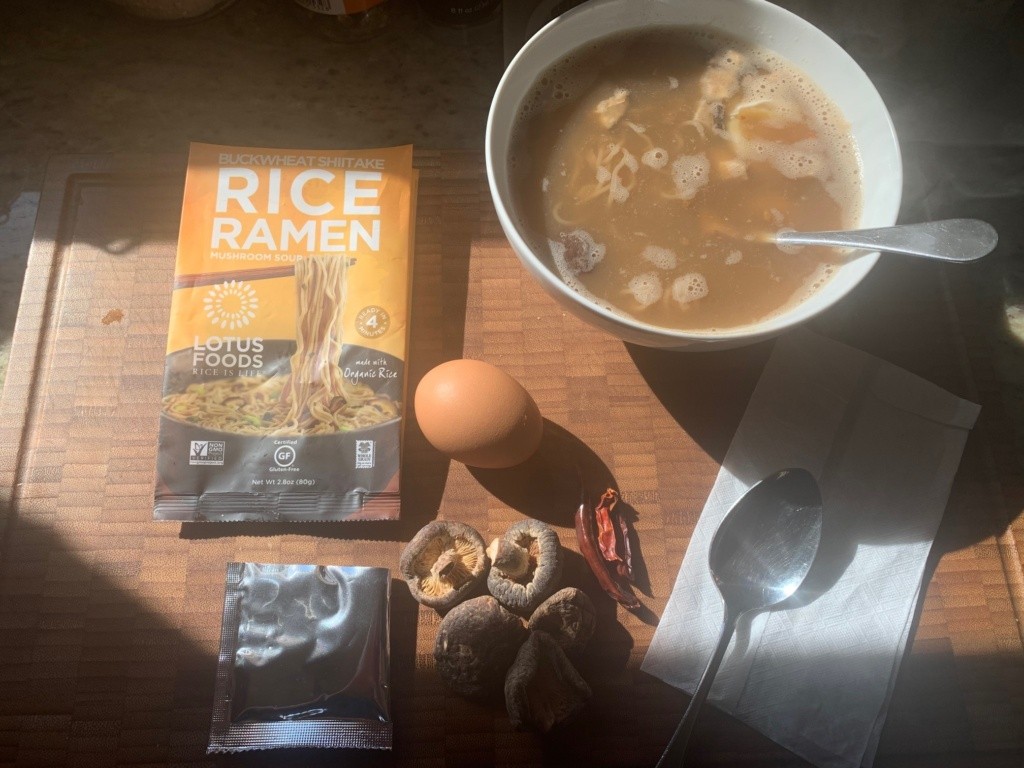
(754, 21)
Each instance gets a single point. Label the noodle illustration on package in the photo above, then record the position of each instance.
(285, 373)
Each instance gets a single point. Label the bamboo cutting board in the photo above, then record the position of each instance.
(109, 622)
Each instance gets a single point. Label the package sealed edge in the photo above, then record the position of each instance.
(284, 382)
(239, 726)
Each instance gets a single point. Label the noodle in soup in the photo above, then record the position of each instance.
(314, 398)
(653, 167)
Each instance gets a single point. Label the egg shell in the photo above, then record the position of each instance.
(476, 413)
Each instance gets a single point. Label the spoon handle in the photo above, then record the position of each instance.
(948, 240)
(676, 749)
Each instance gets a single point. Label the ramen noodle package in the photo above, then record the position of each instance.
(285, 374)
(304, 659)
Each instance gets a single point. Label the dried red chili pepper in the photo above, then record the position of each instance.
(625, 566)
(588, 541)
(613, 534)
(606, 529)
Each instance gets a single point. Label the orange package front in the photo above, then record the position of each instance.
(285, 374)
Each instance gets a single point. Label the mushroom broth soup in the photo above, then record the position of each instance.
(653, 166)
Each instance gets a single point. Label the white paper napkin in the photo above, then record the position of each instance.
(884, 445)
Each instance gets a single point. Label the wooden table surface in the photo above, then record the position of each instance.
(109, 622)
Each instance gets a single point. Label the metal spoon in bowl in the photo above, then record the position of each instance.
(948, 240)
(759, 557)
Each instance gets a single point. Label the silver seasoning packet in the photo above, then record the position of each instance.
(304, 659)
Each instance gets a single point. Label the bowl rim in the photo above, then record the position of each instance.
(787, 318)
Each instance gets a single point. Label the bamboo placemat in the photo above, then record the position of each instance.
(109, 621)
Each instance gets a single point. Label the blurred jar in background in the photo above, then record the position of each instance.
(172, 10)
(460, 13)
(350, 20)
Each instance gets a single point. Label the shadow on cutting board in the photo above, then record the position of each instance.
(705, 392)
(549, 486)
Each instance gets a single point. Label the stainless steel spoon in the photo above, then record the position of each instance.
(759, 557)
(948, 240)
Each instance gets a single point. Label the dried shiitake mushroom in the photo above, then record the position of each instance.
(542, 688)
(476, 644)
(444, 564)
(526, 564)
(568, 616)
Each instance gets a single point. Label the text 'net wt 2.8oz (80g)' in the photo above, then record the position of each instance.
(284, 382)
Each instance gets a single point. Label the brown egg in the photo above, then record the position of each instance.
(476, 413)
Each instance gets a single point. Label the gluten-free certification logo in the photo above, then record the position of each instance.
(284, 456)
